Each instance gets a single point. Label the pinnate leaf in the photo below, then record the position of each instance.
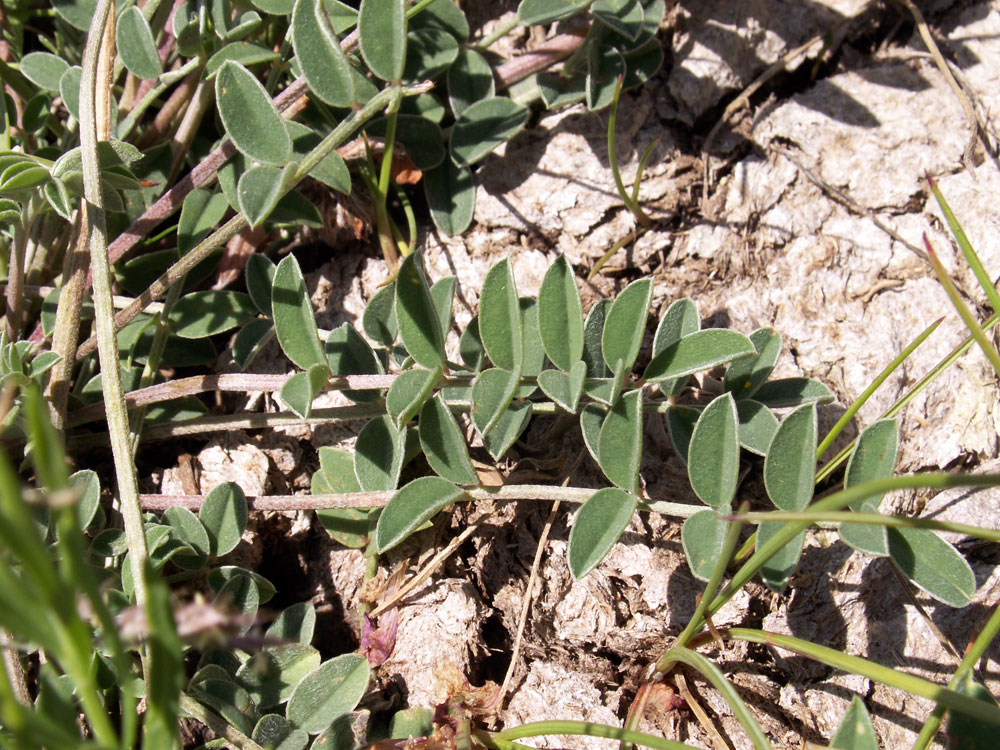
(443, 443)
(249, 116)
(224, 516)
(598, 525)
(697, 352)
(419, 325)
(620, 442)
(333, 688)
(294, 321)
(790, 465)
(382, 37)
(500, 318)
(136, 45)
(411, 507)
(563, 389)
(713, 456)
(560, 315)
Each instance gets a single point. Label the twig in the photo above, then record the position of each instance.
(118, 428)
(556, 49)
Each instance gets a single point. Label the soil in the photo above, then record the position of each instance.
(754, 231)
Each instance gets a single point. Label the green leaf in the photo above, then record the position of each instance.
(443, 443)
(703, 536)
(332, 171)
(598, 525)
(757, 426)
(964, 732)
(698, 352)
(560, 315)
(43, 69)
(276, 732)
(302, 388)
(531, 12)
(507, 429)
(274, 7)
(932, 565)
(856, 731)
(258, 192)
(378, 455)
(229, 700)
(244, 53)
(69, 89)
(451, 197)
(874, 457)
(500, 318)
(318, 51)
(260, 279)
(625, 17)
(199, 315)
(382, 37)
(411, 507)
(136, 45)
(241, 595)
(349, 354)
(409, 392)
(379, 320)
(429, 52)
(790, 465)
(249, 116)
(620, 442)
(780, 567)
(251, 339)
(270, 676)
(422, 138)
(593, 331)
(333, 688)
(745, 376)
(87, 483)
(200, 212)
(681, 319)
(219, 577)
(713, 458)
(564, 389)
(559, 91)
(224, 515)
(603, 71)
(591, 420)
(680, 426)
(411, 722)
(625, 324)
(785, 392)
(444, 15)
(347, 526)
(443, 294)
(419, 325)
(492, 392)
(295, 623)
(294, 321)
(643, 62)
(470, 346)
(189, 530)
(470, 79)
(483, 126)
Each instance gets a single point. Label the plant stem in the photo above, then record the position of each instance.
(588, 729)
(502, 30)
(118, 428)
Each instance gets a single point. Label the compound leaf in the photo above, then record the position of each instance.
(874, 457)
(780, 567)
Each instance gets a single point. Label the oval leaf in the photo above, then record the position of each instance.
(757, 426)
(780, 566)
(563, 389)
(697, 352)
(200, 212)
(409, 392)
(620, 443)
(249, 116)
(136, 45)
(382, 37)
(451, 197)
(199, 315)
(790, 465)
(429, 52)
(349, 354)
(379, 320)
(443, 443)
(680, 425)
(785, 392)
(703, 536)
(626, 324)
(598, 525)
(856, 731)
(591, 419)
(411, 507)
(560, 315)
(593, 330)
(295, 623)
(500, 318)
(932, 565)
(224, 516)
(419, 325)
(963, 731)
(491, 394)
(470, 79)
(44, 69)
(276, 732)
(258, 192)
(745, 376)
(484, 126)
(333, 688)
(713, 456)
(874, 457)
(271, 675)
(302, 388)
(294, 321)
(260, 278)
(378, 455)
(318, 51)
